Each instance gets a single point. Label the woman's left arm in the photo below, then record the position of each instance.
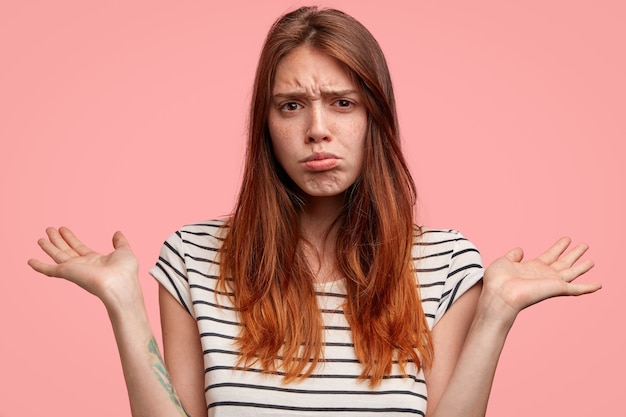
(467, 350)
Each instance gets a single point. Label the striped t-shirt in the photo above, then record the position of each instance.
(446, 263)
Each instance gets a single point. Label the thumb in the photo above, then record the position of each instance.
(515, 255)
(119, 240)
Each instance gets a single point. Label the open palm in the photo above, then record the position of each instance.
(106, 276)
(519, 284)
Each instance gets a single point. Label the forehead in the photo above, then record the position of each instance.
(310, 70)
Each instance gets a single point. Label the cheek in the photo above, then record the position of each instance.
(362, 136)
(276, 135)
(280, 145)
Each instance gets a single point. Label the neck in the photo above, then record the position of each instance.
(318, 216)
(320, 235)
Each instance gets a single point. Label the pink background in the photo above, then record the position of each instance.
(131, 115)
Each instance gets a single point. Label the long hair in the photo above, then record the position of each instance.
(262, 261)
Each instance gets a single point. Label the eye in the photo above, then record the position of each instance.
(290, 106)
(344, 104)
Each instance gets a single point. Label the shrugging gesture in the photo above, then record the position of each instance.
(326, 196)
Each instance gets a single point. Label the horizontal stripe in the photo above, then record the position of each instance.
(317, 409)
(313, 392)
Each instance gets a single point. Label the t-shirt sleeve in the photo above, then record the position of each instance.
(465, 270)
(170, 270)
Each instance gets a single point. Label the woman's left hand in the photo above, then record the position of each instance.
(510, 284)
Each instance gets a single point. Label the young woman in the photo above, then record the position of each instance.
(319, 295)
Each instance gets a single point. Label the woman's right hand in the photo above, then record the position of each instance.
(112, 277)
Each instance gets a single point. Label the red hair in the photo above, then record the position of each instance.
(262, 260)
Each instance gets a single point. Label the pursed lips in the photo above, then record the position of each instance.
(316, 156)
(320, 161)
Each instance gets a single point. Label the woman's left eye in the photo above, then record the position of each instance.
(343, 103)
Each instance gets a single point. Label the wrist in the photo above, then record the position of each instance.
(127, 300)
(128, 316)
(493, 311)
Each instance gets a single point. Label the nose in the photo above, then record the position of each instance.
(318, 125)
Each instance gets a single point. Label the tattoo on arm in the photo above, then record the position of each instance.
(158, 367)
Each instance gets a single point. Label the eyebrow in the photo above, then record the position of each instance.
(303, 94)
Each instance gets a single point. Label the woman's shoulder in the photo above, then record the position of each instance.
(442, 249)
(198, 237)
(425, 236)
(447, 264)
(214, 226)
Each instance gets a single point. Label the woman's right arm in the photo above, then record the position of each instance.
(183, 352)
(113, 278)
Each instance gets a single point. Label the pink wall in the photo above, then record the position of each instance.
(131, 116)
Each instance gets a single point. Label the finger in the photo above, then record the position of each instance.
(554, 253)
(53, 251)
(56, 239)
(42, 267)
(120, 240)
(515, 255)
(583, 288)
(570, 257)
(577, 270)
(73, 242)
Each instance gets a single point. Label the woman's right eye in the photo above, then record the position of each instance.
(290, 106)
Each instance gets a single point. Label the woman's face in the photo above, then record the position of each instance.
(317, 122)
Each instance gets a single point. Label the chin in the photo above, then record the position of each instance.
(323, 189)
(330, 193)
